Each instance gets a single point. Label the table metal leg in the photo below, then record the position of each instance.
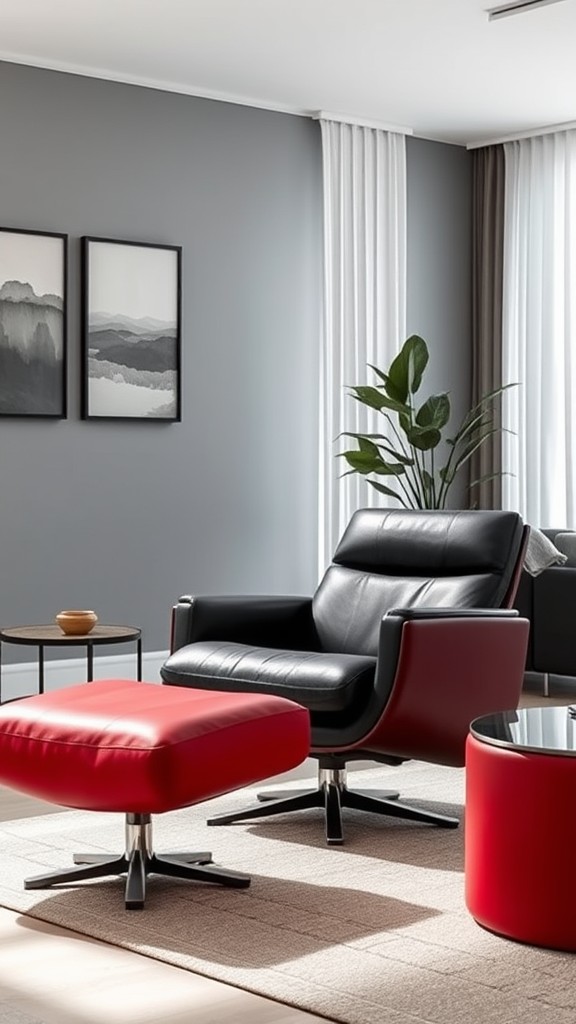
(139, 659)
(90, 661)
(40, 668)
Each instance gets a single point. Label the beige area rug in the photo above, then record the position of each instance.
(373, 932)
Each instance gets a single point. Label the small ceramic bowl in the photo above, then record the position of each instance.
(76, 623)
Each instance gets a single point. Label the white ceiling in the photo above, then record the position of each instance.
(438, 67)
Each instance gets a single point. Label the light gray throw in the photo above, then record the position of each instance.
(541, 553)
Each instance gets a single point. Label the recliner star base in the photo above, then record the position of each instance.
(333, 795)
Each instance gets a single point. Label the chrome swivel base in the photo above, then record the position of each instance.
(139, 861)
(332, 794)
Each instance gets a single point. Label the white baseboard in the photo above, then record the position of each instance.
(22, 679)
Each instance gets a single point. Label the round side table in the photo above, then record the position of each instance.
(519, 831)
(52, 636)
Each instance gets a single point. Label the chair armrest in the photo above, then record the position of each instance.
(437, 670)
(430, 660)
(452, 613)
(445, 666)
(259, 620)
(391, 632)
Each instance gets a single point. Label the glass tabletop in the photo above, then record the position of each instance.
(541, 730)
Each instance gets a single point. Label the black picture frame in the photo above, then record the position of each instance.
(131, 330)
(33, 323)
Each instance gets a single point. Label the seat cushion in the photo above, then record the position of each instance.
(120, 745)
(319, 681)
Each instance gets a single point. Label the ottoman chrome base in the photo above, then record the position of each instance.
(137, 862)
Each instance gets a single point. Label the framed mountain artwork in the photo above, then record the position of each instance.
(33, 283)
(131, 330)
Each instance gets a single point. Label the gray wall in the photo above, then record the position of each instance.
(439, 294)
(124, 517)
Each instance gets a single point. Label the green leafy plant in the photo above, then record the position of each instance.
(407, 450)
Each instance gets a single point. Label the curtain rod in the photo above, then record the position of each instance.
(324, 115)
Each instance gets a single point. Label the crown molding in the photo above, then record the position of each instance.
(105, 75)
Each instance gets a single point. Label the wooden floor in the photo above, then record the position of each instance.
(51, 976)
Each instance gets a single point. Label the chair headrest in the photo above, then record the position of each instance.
(419, 542)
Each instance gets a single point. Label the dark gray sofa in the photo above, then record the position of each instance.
(549, 602)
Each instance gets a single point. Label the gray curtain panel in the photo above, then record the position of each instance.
(487, 269)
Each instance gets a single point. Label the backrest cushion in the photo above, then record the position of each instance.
(565, 541)
(412, 559)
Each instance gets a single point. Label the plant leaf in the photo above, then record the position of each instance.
(404, 459)
(405, 423)
(480, 407)
(435, 412)
(376, 400)
(474, 442)
(351, 433)
(391, 469)
(489, 476)
(380, 373)
(387, 490)
(468, 428)
(369, 447)
(361, 462)
(473, 446)
(397, 455)
(424, 438)
(367, 462)
(405, 373)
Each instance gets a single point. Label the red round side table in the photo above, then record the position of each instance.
(520, 834)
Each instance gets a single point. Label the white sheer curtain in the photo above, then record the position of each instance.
(539, 329)
(364, 299)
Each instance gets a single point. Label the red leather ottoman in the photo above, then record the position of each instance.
(141, 748)
(519, 832)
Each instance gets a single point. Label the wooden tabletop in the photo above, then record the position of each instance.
(51, 634)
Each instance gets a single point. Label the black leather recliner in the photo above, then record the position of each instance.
(408, 637)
